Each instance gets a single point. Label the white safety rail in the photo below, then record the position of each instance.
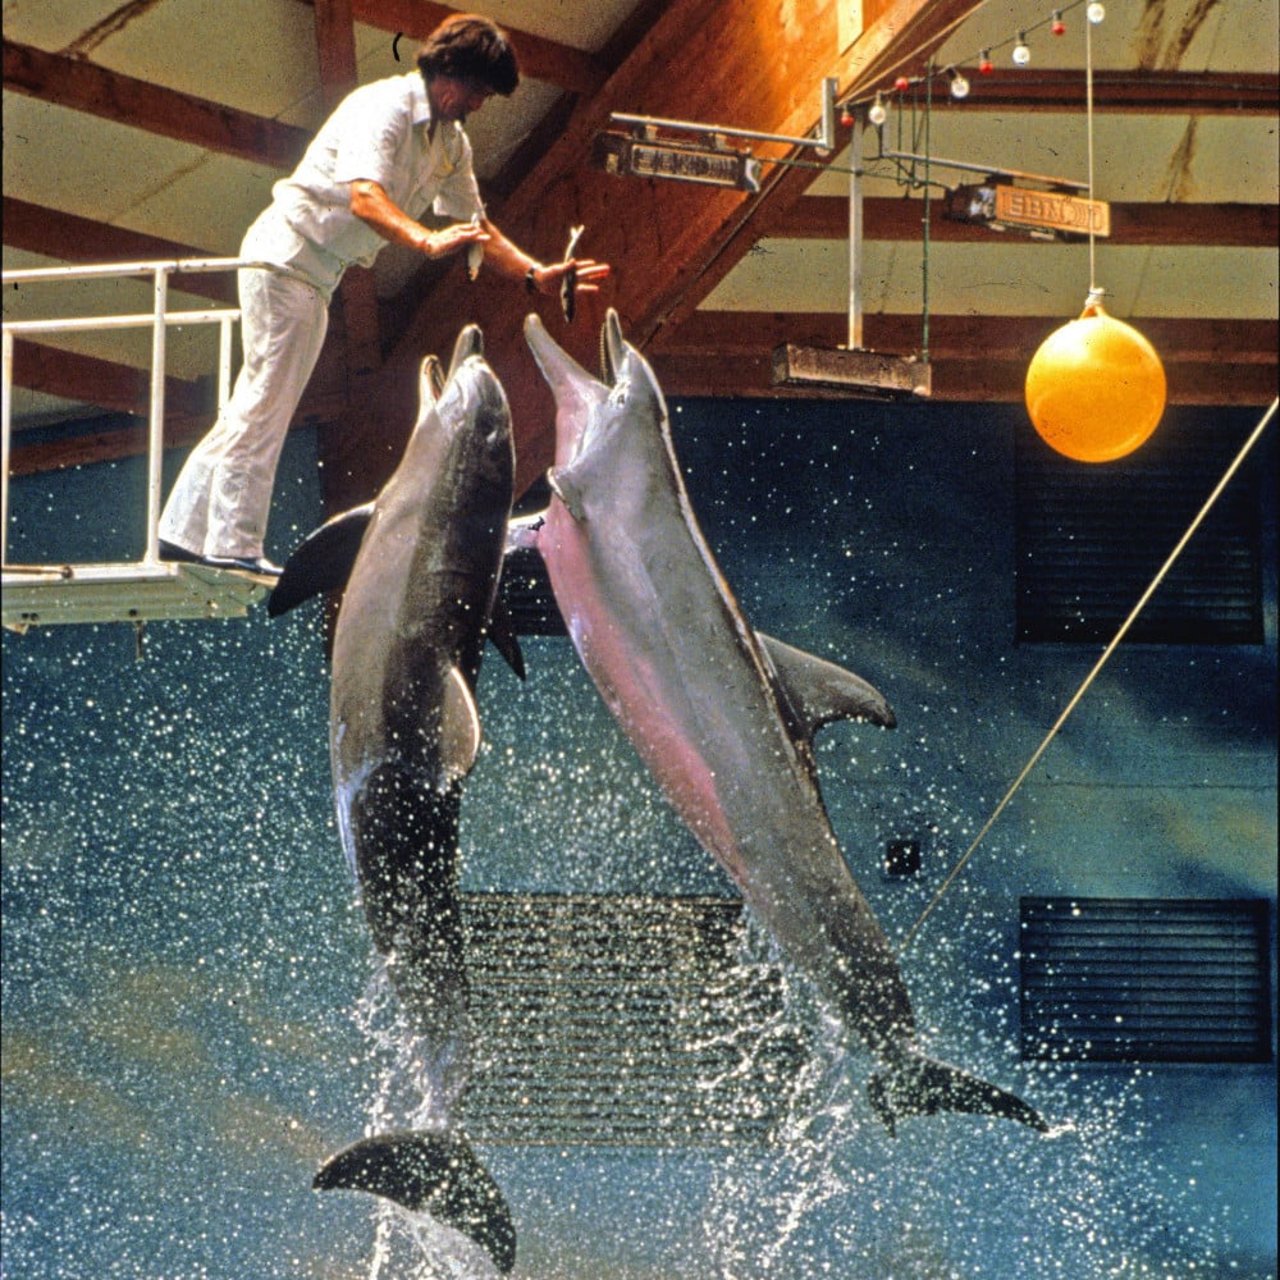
(147, 589)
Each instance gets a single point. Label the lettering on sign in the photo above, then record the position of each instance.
(1073, 214)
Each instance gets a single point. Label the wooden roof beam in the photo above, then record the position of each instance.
(1126, 92)
(82, 86)
(1254, 226)
(707, 334)
(71, 238)
(986, 381)
(105, 383)
(189, 406)
(729, 353)
(541, 59)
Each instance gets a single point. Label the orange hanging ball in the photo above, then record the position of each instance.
(1096, 388)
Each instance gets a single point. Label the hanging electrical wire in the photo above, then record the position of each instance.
(962, 862)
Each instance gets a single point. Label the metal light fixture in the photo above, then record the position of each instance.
(714, 165)
(706, 156)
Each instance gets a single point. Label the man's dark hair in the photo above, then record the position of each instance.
(470, 47)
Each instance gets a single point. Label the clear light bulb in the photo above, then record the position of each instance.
(1021, 50)
(877, 115)
(959, 86)
(1096, 12)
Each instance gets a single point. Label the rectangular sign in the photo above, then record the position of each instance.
(1052, 210)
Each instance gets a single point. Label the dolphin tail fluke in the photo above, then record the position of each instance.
(917, 1085)
(435, 1173)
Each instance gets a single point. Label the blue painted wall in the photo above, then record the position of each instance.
(182, 950)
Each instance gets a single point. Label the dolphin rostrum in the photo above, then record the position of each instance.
(722, 715)
(421, 565)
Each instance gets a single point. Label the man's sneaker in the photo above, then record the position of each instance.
(259, 565)
(244, 564)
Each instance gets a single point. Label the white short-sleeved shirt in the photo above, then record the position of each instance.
(378, 133)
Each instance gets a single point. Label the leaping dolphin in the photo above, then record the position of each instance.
(723, 716)
(421, 565)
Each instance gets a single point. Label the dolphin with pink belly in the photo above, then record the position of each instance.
(722, 715)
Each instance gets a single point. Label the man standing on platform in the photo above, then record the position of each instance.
(391, 149)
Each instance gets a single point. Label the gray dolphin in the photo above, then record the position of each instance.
(723, 716)
(421, 565)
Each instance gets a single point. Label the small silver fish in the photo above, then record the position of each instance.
(569, 284)
(475, 254)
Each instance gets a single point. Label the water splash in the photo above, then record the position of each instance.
(952, 1197)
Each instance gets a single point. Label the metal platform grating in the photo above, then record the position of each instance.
(622, 1021)
(1145, 980)
(53, 595)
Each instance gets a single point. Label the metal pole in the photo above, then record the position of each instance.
(827, 137)
(95, 271)
(155, 425)
(6, 415)
(855, 233)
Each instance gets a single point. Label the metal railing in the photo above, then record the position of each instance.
(158, 320)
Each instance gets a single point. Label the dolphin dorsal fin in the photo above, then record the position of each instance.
(819, 692)
(322, 561)
(459, 730)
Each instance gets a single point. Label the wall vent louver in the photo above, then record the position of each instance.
(622, 1021)
(1145, 980)
(1091, 538)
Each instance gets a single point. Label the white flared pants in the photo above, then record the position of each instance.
(220, 503)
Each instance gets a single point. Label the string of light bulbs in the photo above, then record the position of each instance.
(959, 85)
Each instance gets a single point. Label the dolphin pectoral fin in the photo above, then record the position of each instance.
(561, 481)
(459, 730)
(322, 561)
(820, 691)
(502, 632)
(434, 1173)
(924, 1086)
